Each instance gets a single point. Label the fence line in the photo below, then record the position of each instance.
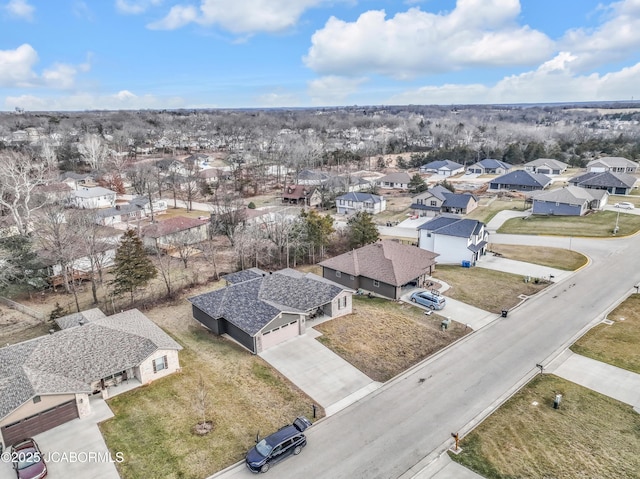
(22, 308)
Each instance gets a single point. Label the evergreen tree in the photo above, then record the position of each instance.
(21, 268)
(361, 230)
(133, 268)
(317, 228)
(417, 184)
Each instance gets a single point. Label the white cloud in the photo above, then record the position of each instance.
(553, 81)
(122, 100)
(246, 16)
(135, 7)
(415, 42)
(333, 90)
(615, 39)
(17, 70)
(16, 66)
(20, 9)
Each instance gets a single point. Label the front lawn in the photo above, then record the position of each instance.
(617, 344)
(557, 258)
(589, 436)
(489, 207)
(382, 338)
(485, 288)
(599, 225)
(153, 425)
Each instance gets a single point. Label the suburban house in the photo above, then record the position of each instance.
(47, 381)
(382, 268)
(568, 201)
(77, 180)
(489, 166)
(259, 310)
(92, 197)
(439, 199)
(456, 240)
(398, 180)
(346, 183)
(546, 166)
(176, 231)
(613, 182)
(615, 164)
(310, 177)
(520, 180)
(136, 209)
(442, 167)
(301, 195)
(213, 176)
(353, 202)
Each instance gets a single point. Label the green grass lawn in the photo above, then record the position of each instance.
(490, 207)
(471, 286)
(599, 224)
(557, 258)
(613, 199)
(589, 436)
(617, 344)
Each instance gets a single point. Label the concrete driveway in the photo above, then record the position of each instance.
(520, 267)
(76, 449)
(330, 380)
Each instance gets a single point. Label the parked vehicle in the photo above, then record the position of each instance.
(286, 441)
(624, 205)
(28, 461)
(430, 299)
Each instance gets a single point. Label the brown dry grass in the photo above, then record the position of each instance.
(470, 285)
(552, 257)
(590, 436)
(383, 338)
(616, 344)
(152, 426)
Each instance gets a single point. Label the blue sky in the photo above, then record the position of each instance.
(130, 54)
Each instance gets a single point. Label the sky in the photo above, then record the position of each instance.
(166, 54)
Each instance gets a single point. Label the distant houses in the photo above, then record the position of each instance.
(439, 199)
(568, 201)
(353, 202)
(442, 167)
(489, 166)
(613, 182)
(614, 164)
(546, 166)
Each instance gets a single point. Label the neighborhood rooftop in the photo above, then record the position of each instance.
(387, 260)
(69, 360)
(452, 226)
(252, 303)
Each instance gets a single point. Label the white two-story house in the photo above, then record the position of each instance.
(93, 198)
(456, 240)
(353, 202)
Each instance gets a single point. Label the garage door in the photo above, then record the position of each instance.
(277, 335)
(40, 422)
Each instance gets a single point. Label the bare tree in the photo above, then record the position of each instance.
(164, 264)
(228, 216)
(278, 229)
(93, 150)
(20, 177)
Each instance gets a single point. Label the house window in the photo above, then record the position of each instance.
(338, 274)
(351, 277)
(433, 203)
(342, 302)
(376, 283)
(159, 364)
(428, 235)
(36, 399)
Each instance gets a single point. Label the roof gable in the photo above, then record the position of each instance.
(523, 178)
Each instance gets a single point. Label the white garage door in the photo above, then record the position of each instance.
(277, 335)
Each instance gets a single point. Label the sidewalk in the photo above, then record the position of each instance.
(608, 380)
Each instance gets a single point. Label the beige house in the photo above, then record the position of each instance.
(47, 381)
(178, 230)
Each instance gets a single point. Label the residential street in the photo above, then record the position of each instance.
(401, 427)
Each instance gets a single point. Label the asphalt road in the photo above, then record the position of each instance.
(410, 420)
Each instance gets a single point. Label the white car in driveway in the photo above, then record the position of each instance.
(625, 205)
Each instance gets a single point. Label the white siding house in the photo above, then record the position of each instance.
(93, 198)
(353, 202)
(454, 239)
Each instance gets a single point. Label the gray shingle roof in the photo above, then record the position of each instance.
(550, 162)
(252, 304)
(491, 163)
(441, 164)
(606, 179)
(69, 360)
(360, 197)
(387, 261)
(457, 200)
(613, 162)
(75, 319)
(244, 275)
(522, 178)
(571, 195)
(396, 177)
(463, 228)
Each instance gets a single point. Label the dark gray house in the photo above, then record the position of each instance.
(383, 268)
(259, 310)
(614, 183)
(520, 180)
